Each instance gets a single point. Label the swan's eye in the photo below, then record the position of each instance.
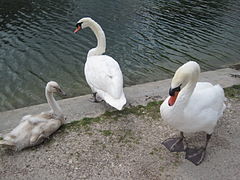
(55, 88)
(79, 24)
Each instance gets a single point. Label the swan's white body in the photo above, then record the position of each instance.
(198, 105)
(102, 72)
(34, 128)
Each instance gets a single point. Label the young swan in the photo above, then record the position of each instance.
(191, 107)
(102, 72)
(34, 128)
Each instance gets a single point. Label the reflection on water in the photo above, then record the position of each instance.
(149, 39)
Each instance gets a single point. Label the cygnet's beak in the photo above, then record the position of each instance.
(61, 92)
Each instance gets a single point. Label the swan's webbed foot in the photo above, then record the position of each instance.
(235, 75)
(196, 156)
(174, 144)
(94, 99)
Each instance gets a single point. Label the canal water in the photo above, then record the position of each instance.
(150, 39)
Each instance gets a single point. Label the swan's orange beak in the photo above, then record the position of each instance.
(77, 29)
(172, 99)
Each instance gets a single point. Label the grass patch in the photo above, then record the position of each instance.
(232, 92)
(1, 138)
(127, 136)
(75, 125)
(107, 132)
(152, 109)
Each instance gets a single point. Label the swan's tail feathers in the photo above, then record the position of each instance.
(7, 144)
(116, 103)
(222, 98)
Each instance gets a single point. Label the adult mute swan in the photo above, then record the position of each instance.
(102, 72)
(191, 107)
(34, 128)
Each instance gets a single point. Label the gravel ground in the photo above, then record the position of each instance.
(127, 145)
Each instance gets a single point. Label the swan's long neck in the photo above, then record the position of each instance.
(53, 103)
(186, 93)
(101, 40)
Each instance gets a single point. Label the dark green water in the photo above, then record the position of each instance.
(149, 39)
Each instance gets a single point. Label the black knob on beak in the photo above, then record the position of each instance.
(172, 91)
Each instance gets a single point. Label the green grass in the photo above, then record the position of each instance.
(152, 109)
(107, 132)
(232, 92)
(75, 125)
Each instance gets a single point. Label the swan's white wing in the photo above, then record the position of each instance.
(202, 85)
(207, 96)
(30, 129)
(103, 73)
(206, 106)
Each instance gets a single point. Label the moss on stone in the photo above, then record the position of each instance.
(107, 132)
(151, 109)
(75, 125)
(128, 136)
(232, 92)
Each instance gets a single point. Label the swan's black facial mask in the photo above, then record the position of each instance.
(172, 91)
(79, 27)
(173, 95)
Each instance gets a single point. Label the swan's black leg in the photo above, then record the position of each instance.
(196, 156)
(94, 99)
(175, 144)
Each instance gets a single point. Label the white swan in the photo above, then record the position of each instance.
(102, 72)
(34, 128)
(191, 107)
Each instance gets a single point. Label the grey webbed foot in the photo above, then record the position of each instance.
(174, 144)
(196, 156)
(94, 99)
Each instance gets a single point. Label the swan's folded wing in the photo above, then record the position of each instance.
(210, 98)
(105, 74)
(202, 85)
